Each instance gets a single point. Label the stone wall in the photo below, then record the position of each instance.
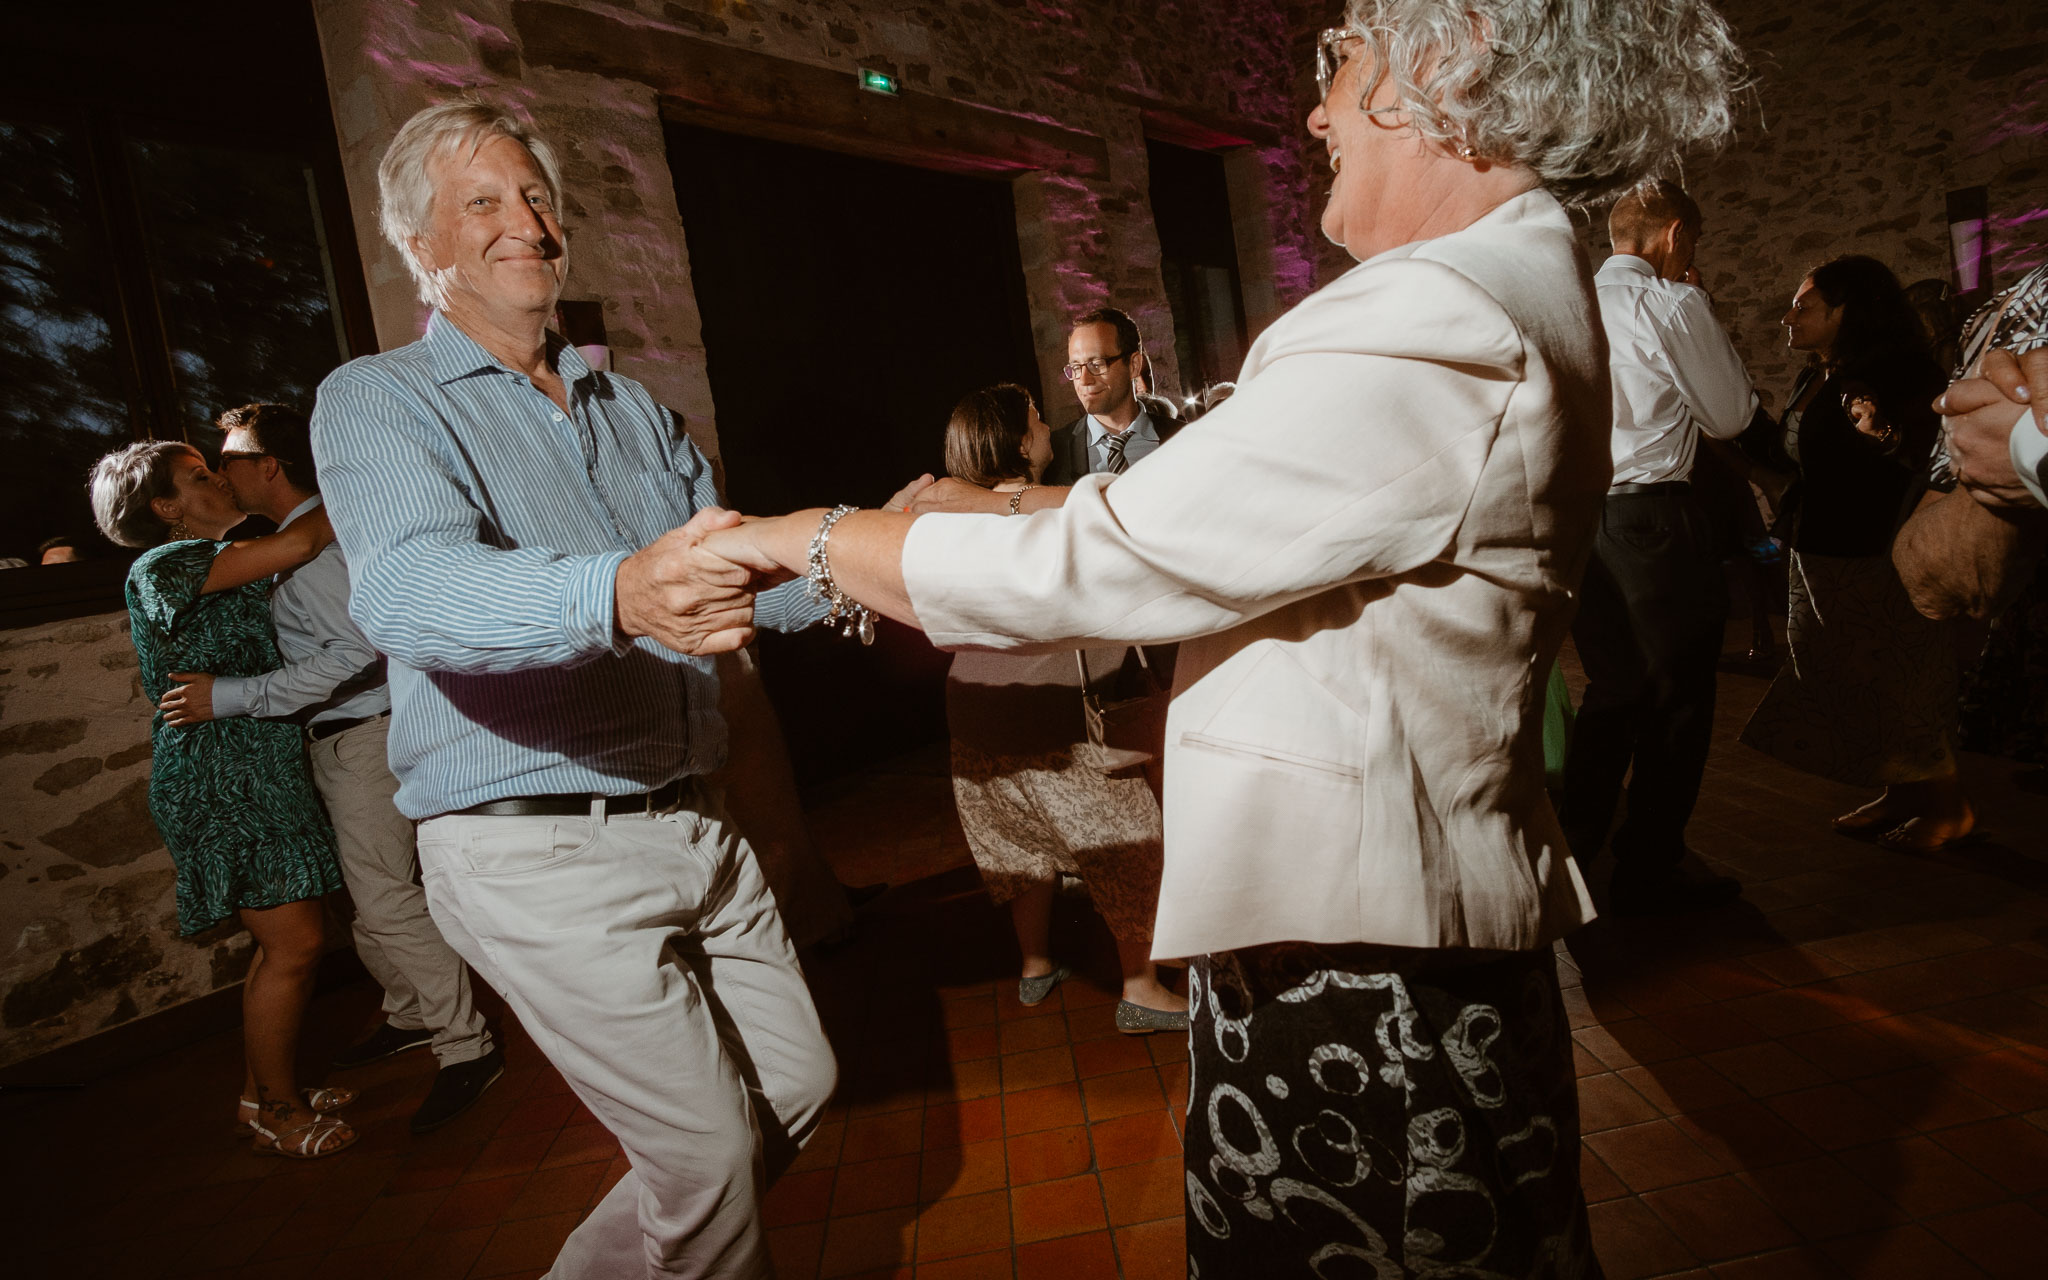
(88, 923)
(1095, 68)
(1865, 115)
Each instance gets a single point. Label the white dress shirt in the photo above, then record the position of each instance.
(330, 669)
(1140, 438)
(1674, 369)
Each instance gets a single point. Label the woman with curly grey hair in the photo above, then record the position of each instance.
(233, 798)
(1368, 555)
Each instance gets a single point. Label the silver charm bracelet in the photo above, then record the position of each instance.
(850, 615)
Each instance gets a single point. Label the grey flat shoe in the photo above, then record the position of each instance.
(1034, 990)
(1137, 1020)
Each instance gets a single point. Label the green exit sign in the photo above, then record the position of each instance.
(878, 82)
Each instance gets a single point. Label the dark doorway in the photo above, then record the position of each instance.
(1198, 260)
(847, 304)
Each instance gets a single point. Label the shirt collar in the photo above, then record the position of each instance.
(1140, 429)
(453, 354)
(300, 510)
(1629, 263)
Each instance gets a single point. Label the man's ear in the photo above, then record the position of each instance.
(1670, 242)
(1141, 367)
(422, 252)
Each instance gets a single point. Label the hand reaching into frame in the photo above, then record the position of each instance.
(682, 594)
(902, 498)
(1979, 416)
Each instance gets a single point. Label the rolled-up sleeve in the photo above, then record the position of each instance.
(1706, 368)
(429, 588)
(1353, 453)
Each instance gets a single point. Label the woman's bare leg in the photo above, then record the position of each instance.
(1031, 917)
(274, 998)
(1141, 979)
(248, 1064)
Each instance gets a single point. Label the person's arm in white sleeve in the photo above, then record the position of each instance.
(1352, 454)
(1706, 368)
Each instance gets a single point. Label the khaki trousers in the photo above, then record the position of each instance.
(646, 956)
(425, 983)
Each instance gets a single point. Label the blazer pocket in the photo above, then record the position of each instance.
(1269, 756)
(1239, 811)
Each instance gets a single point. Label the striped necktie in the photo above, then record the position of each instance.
(1113, 445)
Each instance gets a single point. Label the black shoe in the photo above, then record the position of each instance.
(456, 1090)
(1672, 892)
(381, 1043)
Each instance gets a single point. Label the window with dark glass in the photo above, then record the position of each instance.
(174, 241)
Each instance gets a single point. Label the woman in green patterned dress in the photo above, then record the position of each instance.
(232, 798)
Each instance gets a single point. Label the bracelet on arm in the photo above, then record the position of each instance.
(1018, 497)
(851, 616)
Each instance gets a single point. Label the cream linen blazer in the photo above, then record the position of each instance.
(1370, 554)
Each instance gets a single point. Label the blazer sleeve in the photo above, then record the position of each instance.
(1352, 454)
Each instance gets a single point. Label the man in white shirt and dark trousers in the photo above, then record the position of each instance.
(333, 680)
(1651, 610)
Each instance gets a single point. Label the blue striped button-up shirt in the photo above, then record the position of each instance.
(483, 528)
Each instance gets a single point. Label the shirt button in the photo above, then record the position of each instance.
(558, 417)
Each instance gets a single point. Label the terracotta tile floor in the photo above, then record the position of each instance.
(1846, 1076)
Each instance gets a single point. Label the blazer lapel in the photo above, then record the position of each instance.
(1077, 448)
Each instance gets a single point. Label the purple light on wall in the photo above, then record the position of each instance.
(1967, 213)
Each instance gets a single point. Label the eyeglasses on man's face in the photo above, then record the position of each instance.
(1330, 56)
(1096, 367)
(236, 455)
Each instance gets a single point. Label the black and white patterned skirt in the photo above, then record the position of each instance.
(1378, 1112)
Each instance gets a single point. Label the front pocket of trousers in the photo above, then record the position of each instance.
(529, 848)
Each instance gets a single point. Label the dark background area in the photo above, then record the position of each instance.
(1198, 262)
(174, 240)
(847, 305)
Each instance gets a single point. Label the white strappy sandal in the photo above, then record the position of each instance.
(308, 1141)
(321, 1098)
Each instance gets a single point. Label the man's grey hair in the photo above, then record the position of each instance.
(405, 187)
(1593, 95)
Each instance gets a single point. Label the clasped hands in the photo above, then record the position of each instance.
(1979, 416)
(692, 590)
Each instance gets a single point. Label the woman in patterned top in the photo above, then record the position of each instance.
(231, 797)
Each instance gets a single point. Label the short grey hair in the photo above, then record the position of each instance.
(1593, 95)
(126, 481)
(405, 188)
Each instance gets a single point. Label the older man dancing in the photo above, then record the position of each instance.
(524, 536)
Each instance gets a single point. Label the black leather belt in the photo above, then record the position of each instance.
(1662, 486)
(328, 728)
(659, 800)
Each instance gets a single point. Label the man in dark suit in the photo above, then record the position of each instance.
(1106, 363)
